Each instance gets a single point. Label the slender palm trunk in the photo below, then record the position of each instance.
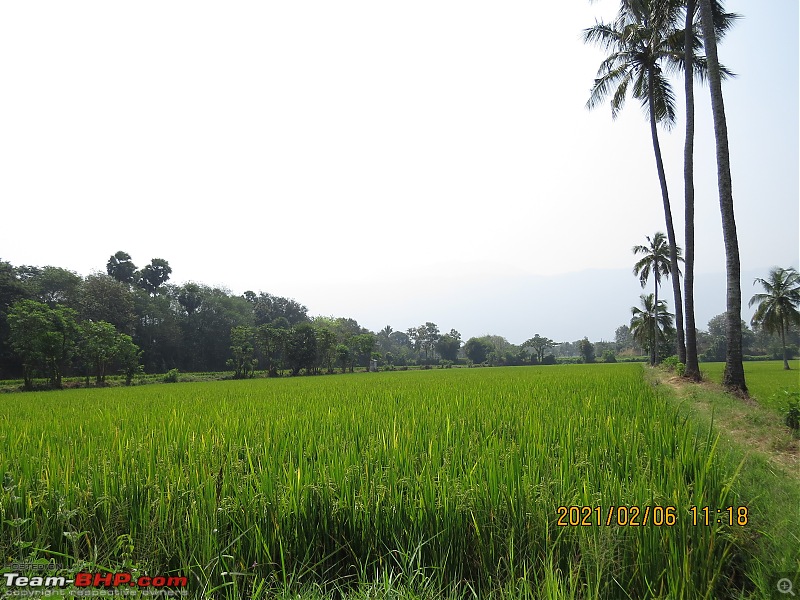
(734, 370)
(692, 367)
(654, 344)
(783, 343)
(673, 250)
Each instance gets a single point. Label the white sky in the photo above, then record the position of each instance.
(360, 155)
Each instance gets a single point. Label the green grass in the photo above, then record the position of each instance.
(766, 381)
(424, 483)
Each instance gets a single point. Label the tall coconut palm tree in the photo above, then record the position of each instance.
(655, 261)
(651, 324)
(691, 44)
(664, 15)
(778, 306)
(638, 42)
(734, 370)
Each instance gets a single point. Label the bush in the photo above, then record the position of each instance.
(568, 360)
(633, 359)
(550, 359)
(609, 356)
(671, 363)
(792, 412)
(791, 353)
(171, 376)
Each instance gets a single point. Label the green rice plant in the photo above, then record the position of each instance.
(452, 482)
(766, 380)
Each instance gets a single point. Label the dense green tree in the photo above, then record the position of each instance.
(326, 347)
(539, 345)
(43, 337)
(362, 346)
(154, 275)
(243, 350)
(429, 337)
(416, 336)
(158, 332)
(268, 308)
(301, 348)
(344, 356)
(271, 341)
(400, 339)
(777, 307)
(60, 342)
(103, 298)
(11, 290)
(128, 357)
(205, 334)
(623, 338)
(716, 342)
(190, 297)
(54, 286)
(478, 349)
(100, 346)
(448, 345)
(121, 267)
(29, 324)
(384, 339)
(586, 348)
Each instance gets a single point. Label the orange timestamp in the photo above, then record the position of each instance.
(642, 516)
(631, 516)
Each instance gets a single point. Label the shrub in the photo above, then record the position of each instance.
(792, 412)
(568, 360)
(609, 356)
(671, 363)
(550, 359)
(791, 352)
(171, 376)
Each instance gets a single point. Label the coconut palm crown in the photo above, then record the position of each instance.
(778, 306)
(651, 324)
(655, 261)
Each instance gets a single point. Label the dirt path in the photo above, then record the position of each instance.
(744, 421)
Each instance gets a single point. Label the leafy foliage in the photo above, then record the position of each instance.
(651, 324)
(779, 304)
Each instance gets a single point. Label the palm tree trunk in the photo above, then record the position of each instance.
(692, 367)
(654, 343)
(734, 370)
(783, 343)
(673, 250)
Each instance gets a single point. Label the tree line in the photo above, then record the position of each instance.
(55, 323)
(128, 320)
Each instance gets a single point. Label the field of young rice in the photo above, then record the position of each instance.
(766, 381)
(453, 480)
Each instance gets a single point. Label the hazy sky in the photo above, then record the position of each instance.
(374, 159)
